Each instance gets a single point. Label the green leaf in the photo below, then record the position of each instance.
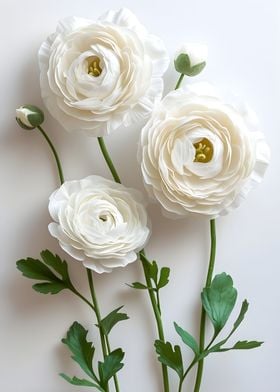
(241, 345)
(111, 365)
(188, 339)
(218, 300)
(81, 382)
(35, 269)
(56, 263)
(182, 64)
(82, 350)
(49, 287)
(169, 357)
(164, 277)
(138, 285)
(240, 318)
(112, 319)
(153, 271)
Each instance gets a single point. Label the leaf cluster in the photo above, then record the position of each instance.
(218, 301)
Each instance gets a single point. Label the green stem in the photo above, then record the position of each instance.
(98, 316)
(116, 382)
(76, 292)
(178, 84)
(59, 167)
(158, 321)
(108, 159)
(203, 314)
(185, 375)
(148, 280)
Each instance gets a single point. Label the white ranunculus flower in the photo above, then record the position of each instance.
(98, 76)
(99, 222)
(200, 154)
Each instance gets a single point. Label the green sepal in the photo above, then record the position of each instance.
(108, 322)
(170, 357)
(183, 65)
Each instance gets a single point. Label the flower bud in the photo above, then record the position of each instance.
(29, 116)
(191, 59)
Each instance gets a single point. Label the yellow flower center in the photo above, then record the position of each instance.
(203, 151)
(94, 68)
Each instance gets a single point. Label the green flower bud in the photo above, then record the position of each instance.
(191, 59)
(29, 116)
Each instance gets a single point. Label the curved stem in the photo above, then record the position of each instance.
(153, 298)
(108, 159)
(97, 313)
(178, 84)
(76, 292)
(57, 160)
(203, 314)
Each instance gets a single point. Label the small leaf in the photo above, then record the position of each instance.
(111, 365)
(35, 269)
(240, 318)
(56, 263)
(187, 339)
(246, 345)
(81, 382)
(138, 285)
(153, 271)
(218, 300)
(169, 357)
(82, 350)
(49, 287)
(164, 277)
(112, 319)
(241, 345)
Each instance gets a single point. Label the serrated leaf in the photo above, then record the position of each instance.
(35, 269)
(138, 285)
(81, 382)
(111, 365)
(153, 271)
(246, 345)
(49, 287)
(164, 277)
(188, 339)
(56, 263)
(241, 345)
(112, 319)
(182, 64)
(82, 350)
(169, 357)
(218, 300)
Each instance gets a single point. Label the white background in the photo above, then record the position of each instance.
(243, 39)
